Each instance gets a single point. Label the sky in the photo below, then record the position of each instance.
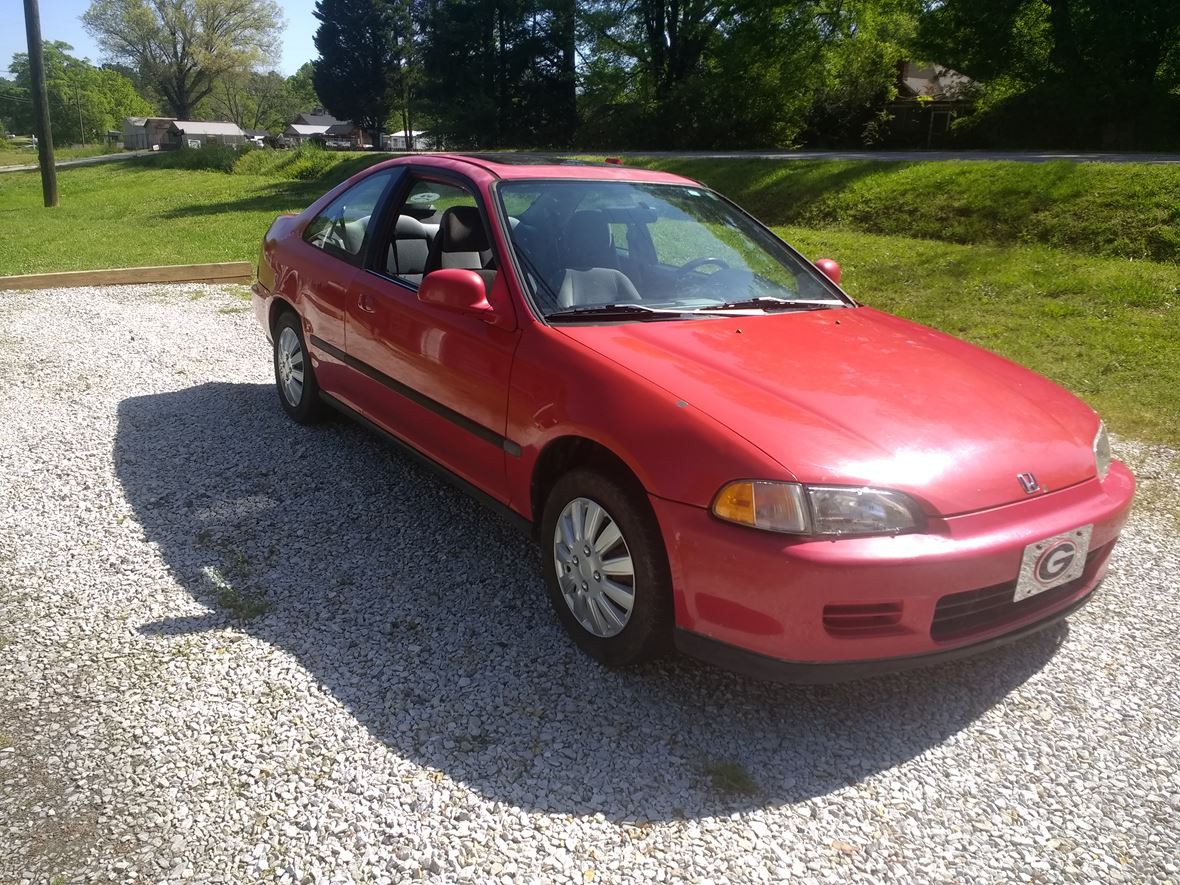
(60, 20)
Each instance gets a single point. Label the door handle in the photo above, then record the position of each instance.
(365, 303)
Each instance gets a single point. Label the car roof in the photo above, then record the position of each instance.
(512, 165)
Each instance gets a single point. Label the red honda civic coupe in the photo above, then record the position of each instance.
(716, 446)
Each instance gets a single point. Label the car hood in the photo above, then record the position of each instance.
(861, 397)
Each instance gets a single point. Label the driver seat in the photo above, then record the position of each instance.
(588, 241)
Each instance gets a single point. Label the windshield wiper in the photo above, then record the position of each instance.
(768, 302)
(620, 311)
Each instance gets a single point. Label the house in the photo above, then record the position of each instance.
(419, 140)
(318, 117)
(198, 133)
(347, 136)
(145, 133)
(302, 133)
(929, 98)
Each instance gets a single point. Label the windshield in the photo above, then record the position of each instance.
(669, 250)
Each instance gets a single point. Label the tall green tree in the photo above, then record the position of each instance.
(185, 47)
(301, 89)
(707, 73)
(256, 100)
(85, 102)
(500, 73)
(1065, 72)
(359, 66)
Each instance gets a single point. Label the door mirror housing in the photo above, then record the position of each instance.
(457, 289)
(829, 269)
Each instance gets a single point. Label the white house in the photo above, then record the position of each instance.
(302, 133)
(198, 133)
(397, 141)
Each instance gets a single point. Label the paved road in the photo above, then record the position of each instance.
(82, 161)
(918, 156)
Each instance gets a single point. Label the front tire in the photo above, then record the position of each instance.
(606, 569)
(295, 379)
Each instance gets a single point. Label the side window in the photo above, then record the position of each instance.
(415, 243)
(341, 227)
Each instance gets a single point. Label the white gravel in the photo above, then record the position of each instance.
(407, 707)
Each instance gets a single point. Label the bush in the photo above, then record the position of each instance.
(211, 157)
(306, 163)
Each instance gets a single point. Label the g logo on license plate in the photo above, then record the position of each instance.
(1055, 561)
(1052, 562)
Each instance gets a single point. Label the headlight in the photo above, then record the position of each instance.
(816, 510)
(1102, 451)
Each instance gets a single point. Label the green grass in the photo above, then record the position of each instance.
(1106, 327)
(27, 155)
(1121, 210)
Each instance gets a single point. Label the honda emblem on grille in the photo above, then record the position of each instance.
(1028, 482)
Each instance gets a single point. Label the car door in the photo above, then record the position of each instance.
(332, 250)
(433, 376)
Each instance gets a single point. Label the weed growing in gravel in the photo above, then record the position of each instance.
(227, 580)
(5, 741)
(731, 778)
(232, 309)
(194, 294)
(242, 605)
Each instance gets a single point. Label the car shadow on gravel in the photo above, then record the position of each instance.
(424, 614)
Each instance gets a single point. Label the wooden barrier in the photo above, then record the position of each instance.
(225, 272)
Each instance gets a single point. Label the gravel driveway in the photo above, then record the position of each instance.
(234, 649)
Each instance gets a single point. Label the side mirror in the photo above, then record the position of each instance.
(457, 289)
(829, 269)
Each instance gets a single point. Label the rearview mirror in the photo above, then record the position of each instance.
(457, 289)
(829, 269)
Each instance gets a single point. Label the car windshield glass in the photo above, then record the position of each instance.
(675, 248)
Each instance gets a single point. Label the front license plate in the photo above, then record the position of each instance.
(1053, 562)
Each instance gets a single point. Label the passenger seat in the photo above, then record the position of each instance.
(462, 242)
(410, 249)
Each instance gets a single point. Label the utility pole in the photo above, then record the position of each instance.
(78, 100)
(40, 103)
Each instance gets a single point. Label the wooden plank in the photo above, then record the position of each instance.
(224, 272)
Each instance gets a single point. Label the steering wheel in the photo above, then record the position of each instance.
(690, 266)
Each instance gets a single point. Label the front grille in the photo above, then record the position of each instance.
(961, 614)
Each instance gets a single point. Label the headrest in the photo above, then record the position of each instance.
(462, 230)
(590, 229)
(410, 227)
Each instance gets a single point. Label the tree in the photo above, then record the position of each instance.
(500, 72)
(85, 102)
(301, 89)
(708, 73)
(255, 100)
(357, 71)
(1065, 72)
(185, 46)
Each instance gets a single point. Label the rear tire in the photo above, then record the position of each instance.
(295, 379)
(606, 569)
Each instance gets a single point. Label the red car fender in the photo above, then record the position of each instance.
(676, 451)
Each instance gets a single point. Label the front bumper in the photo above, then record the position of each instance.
(762, 603)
